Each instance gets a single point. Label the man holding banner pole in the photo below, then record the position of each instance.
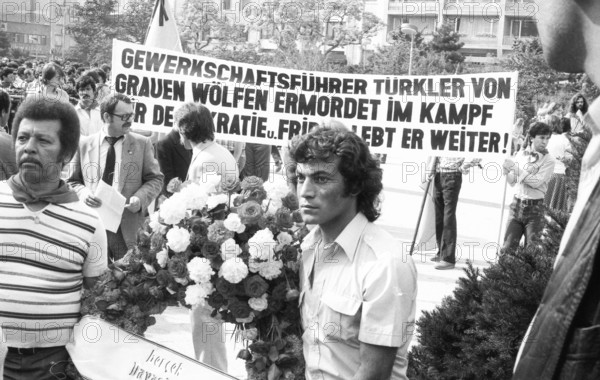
(447, 183)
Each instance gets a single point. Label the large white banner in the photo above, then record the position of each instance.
(102, 351)
(458, 115)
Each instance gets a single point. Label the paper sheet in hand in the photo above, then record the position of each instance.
(113, 204)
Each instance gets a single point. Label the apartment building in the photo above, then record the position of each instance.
(38, 26)
(487, 27)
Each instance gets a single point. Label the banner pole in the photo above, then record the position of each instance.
(432, 169)
(502, 211)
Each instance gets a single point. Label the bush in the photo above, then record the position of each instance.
(476, 333)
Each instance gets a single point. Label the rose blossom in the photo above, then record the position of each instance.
(230, 249)
(250, 212)
(234, 223)
(218, 233)
(259, 304)
(162, 257)
(270, 269)
(262, 245)
(233, 270)
(230, 183)
(284, 238)
(173, 210)
(155, 223)
(200, 269)
(178, 267)
(255, 286)
(251, 182)
(178, 239)
(215, 200)
(290, 201)
(195, 295)
(195, 196)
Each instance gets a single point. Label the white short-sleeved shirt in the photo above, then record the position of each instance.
(363, 290)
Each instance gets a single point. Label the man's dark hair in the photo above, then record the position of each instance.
(110, 102)
(574, 109)
(37, 108)
(92, 73)
(539, 129)
(4, 101)
(197, 125)
(361, 171)
(21, 71)
(105, 67)
(6, 72)
(85, 81)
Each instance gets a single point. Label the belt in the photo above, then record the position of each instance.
(27, 351)
(529, 201)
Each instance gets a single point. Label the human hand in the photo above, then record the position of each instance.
(134, 204)
(92, 201)
(508, 165)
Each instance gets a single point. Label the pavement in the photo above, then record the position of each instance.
(478, 215)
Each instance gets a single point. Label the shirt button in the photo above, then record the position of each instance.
(36, 219)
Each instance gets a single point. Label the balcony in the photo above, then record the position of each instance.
(488, 41)
(508, 41)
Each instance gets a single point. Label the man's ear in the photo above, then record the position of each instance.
(106, 117)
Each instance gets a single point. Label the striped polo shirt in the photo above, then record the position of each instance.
(44, 256)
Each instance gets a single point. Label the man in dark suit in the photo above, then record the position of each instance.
(174, 159)
(132, 170)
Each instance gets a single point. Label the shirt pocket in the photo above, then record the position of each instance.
(340, 319)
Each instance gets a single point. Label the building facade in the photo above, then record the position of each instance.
(38, 26)
(488, 28)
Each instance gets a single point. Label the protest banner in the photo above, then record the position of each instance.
(102, 351)
(458, 115)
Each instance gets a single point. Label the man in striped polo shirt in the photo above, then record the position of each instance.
(51, 244)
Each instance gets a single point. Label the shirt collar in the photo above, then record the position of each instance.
(348, 239)
(592, 117)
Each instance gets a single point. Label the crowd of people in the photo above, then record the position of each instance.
(49, 189)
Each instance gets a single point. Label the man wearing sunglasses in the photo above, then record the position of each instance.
(124, 161)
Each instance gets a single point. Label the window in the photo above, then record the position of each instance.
(3, 26)
(331, 29)
(20, 38)
(523, 28)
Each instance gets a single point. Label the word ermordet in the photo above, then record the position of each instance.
(457, 115)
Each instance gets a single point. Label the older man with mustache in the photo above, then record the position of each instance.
(123, 160)
(51, 244)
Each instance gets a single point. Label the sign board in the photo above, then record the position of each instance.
(102, 351)
(452, 115)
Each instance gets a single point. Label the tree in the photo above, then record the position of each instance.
(446, 41)
(537, 80)
(4, 44)
(202, 26)
(314, 29)
(17, 53)
(98, 22)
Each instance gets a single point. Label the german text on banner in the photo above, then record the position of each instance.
(102, 351)
(453, 115)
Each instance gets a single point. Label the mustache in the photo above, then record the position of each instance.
(29, 161)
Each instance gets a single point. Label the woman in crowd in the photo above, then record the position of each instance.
(51, 82)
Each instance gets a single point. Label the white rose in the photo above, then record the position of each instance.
(276, 190)
(155, 223)
(178, 239)
(234, 270)
(162, 257)
(271, 269)
(195, 196)
(181, 280)
(195, 295)
(200, 269)
(215, 200)
(234, 223)
(262, 245)
(260, 303)
(270, 206)
(230, 249)
(173, 210)
(284, 238)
